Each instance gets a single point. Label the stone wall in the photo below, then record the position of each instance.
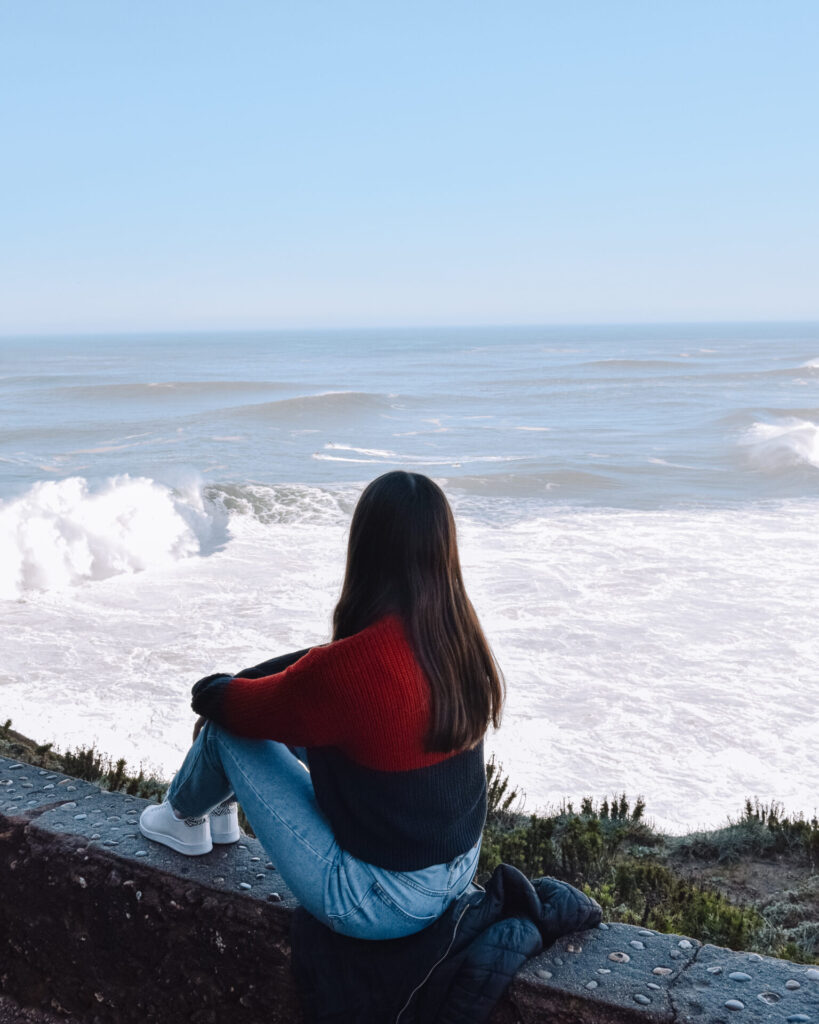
(99, 924)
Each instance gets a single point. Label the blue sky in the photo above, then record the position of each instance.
(205, 165)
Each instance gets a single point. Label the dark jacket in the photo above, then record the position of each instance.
(452, 972)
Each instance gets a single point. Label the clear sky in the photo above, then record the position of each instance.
(258, 163)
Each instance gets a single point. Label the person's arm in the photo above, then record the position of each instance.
(266, 668)
(306, 704)
(274, 665)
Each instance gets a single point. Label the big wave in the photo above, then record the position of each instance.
(65, 532)
(62, 533)
(783, 444)
(331, 404)
(281, 504)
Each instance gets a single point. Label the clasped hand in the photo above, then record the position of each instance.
(206, 693)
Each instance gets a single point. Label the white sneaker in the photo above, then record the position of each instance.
(224, 822)
(190, 836)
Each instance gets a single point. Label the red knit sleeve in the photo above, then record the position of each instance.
(305, 705)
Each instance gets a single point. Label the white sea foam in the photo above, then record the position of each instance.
(282, 503)
(665, 462)
(783, 444)
(64, 532)
(416, 460)
(321, 457)
(379, 452)
(670, 653)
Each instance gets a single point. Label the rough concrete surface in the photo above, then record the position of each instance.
(614, 967)
(97, 922)
(722, 985)
(12, 1012)
(103, 926)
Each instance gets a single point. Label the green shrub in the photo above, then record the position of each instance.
(502, 803)
(528, 847)
(611, 853)
(791, 950)
(763, 830)
(89, 764)
(652, 896)
(581, 849)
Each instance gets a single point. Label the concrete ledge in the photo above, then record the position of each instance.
(99, 924)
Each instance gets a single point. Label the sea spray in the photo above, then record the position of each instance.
(65, 532)
(783, 444)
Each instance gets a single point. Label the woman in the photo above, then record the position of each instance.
(384, 832)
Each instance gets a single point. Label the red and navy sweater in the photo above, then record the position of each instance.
(361, 706)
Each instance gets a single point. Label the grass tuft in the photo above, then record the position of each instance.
(642, 877)
(93, 766)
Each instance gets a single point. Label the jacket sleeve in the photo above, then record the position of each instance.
(491, 962)
(565, 909)
(306, 704)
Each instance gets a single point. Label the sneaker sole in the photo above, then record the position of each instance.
(225, 838)
(188, 849)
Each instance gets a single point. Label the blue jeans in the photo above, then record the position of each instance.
(348, 895)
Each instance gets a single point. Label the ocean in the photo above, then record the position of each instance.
(637, 506)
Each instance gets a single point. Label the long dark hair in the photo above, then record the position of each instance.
(402, 558)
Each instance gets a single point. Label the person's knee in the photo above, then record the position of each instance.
(210, 737)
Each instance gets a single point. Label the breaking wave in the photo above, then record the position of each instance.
(331, 404)
(66, 532)
(282, 503)
(783, 444)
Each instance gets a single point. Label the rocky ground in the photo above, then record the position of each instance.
(764, 883)
(13, 1013)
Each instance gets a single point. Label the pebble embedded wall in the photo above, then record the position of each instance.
(97, 922)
